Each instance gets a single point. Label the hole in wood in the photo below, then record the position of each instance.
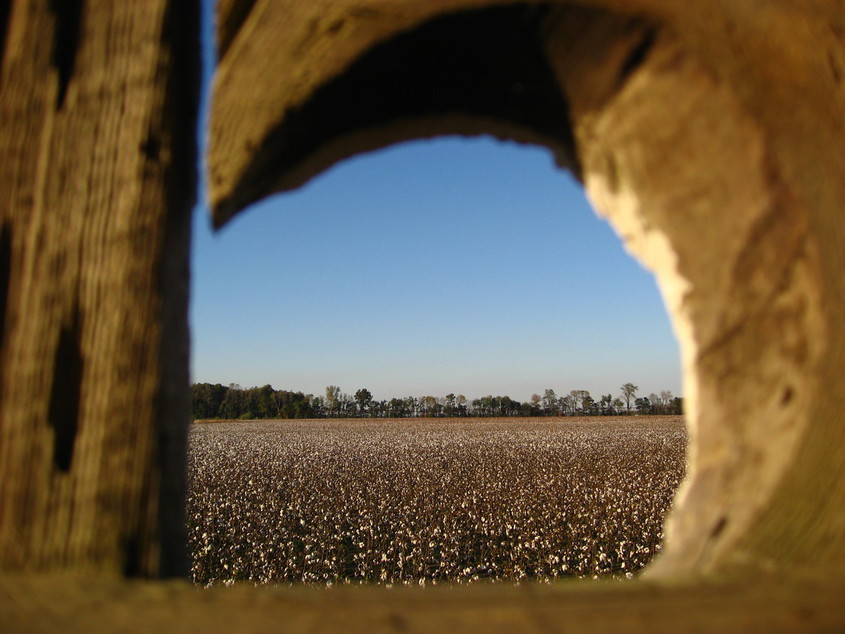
(65, 395)
(413, 277)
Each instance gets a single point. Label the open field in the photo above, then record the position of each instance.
(429, 500)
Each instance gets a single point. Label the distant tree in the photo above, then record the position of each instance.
(333, 400)
(461, 404)
(629, 391)
(397, 408)
(317, 405)
(345, 405)
(412, 405)
(575, 400)
(201, 401)
(234, 403)
(294, 405)
(378, 409)
(666, 399)
(508, 406)
(656, 403)
(206, 400)
(677, 406)
(449, 404)
(528, 409)
(265, 406)
(363, 398)
(581, 401)
(644, 405)
(549, 402)
(428, 406)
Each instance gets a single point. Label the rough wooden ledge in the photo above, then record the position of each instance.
(74, 603)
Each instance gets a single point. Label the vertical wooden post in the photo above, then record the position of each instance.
(98, 103)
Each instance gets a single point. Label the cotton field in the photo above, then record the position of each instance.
(429, 501)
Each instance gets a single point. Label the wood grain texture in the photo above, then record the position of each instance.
(96, 109)
(70, 603)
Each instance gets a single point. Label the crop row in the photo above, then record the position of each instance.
(326, 502)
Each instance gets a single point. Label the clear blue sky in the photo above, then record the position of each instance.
(447, 265)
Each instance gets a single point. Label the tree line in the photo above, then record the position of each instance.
(235, 402)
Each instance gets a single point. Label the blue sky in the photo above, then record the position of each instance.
(450, 265)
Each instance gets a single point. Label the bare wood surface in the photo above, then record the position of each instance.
(97, 104)
(73, 603)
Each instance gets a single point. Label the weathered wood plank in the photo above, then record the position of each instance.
(87, 604)
(97, 105)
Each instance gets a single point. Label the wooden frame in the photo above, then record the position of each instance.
(704, 131)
